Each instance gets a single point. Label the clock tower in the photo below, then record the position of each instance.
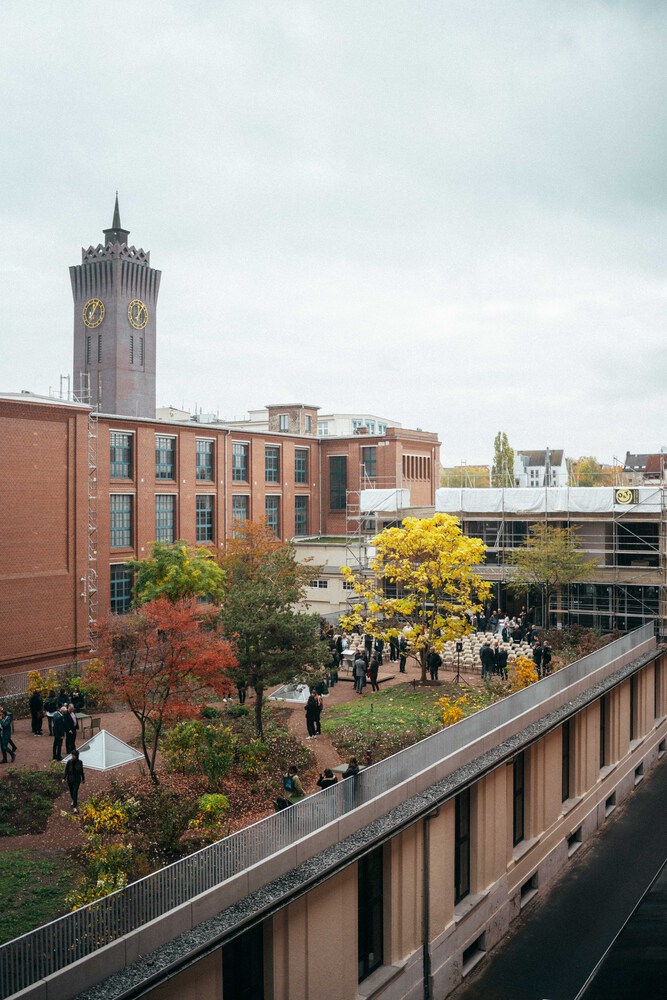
(115, 297)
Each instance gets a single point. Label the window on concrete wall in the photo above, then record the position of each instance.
(121, 520)
(369, 461)
(165, 511)
(121, 580)
(204, 518)
(300, 515)
(240, 513)
(272, 464)
(462, 846)
(121, 455)
(567, 733)
(337, 482)
(603, 705)
(518, 795)
(634, 707)
(243, 966)
(300, 465)
(240, 462)
(272, 514)
(204, 460)
(370, 913)
(165, 457)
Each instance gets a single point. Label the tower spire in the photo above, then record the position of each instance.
(116, 234)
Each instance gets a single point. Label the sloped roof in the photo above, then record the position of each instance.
(635, 463)
(103, 752)
(655, 464)
(540, 457)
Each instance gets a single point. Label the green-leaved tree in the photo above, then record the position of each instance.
(550, 559)
(177, 572)
(502, 471)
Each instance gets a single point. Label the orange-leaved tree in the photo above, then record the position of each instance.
(162, 660)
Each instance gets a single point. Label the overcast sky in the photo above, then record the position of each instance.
(448, 213)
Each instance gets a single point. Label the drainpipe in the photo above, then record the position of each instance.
(426, 903)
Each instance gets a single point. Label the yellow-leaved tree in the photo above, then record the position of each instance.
(421, 585)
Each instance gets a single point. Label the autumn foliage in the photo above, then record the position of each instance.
(162, 661)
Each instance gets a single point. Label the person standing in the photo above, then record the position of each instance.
(58, 733)
(359, 673)
(546, 659)
(402, 653)
(71, 725)
(36, 705)
(74, 777)
(311, 710)
(487, 658)
(6, 741)
(373, 673)
(500, 655)
(242, 689)
(537, 657)
(433, 662)
(393, 648)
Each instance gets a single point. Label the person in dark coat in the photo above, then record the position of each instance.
(58, 733)
(327, 779)
(373, 674)
(500, 655)
(402, 653)
(36, 705)
(537, 657)
(359, 673)
(6, 742)
(546, 659)
(70, 724)
(488, 659)
(368, 645)
(312, 711)
(74, 777)
(379, 649)
(393, 648)
(433, 662)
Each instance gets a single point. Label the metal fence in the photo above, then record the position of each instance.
(43, 951)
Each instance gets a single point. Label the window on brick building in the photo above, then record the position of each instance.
(205, 469)
(121, 520)
(165, 518)
(300, 515)
(240, 512)
(283, 422)
(165, 457)
(121, 580)
(369, 461)
(240, 454)
(204, 518)
(337, 482)
(272, 514)
(300, 465)
(272, 464)
(121, 455)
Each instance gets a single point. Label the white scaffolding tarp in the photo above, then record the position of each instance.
(552, 499)
(385, 500)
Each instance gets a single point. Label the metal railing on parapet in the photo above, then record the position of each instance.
(41, 952)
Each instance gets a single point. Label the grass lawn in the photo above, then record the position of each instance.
(389, 720)
(34, 886)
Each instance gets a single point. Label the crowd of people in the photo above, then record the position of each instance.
(61, 713)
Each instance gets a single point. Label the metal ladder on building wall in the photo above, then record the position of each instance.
(84, 396)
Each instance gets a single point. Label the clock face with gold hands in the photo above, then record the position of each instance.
(137, 313)
(93, 313)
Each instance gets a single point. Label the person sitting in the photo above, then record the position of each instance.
(327, 779)
(352, 768)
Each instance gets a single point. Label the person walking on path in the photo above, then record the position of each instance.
(312, 711)
(74, 777)
(36, 705)
(373, 673)
(292, 787)
(6, 741)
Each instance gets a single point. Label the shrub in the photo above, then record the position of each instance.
(522, 673)
(27, 800)
(195, 747)
(210, 818)
(452, 711)
(92, 686)
(237, 711)
(50, 680)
